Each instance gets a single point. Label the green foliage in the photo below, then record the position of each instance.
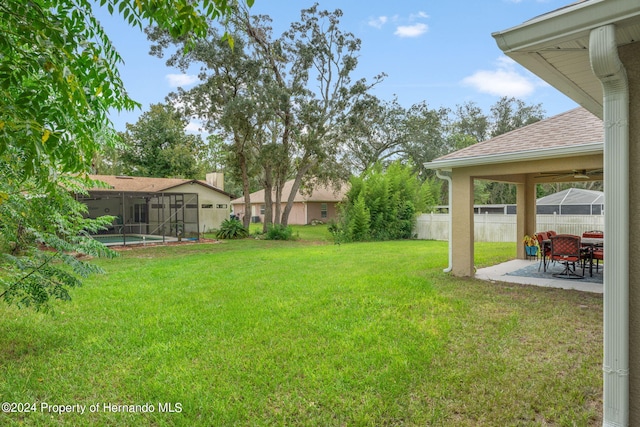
(383, 204)
(44, 233)
(359, 220)
(158, 146)
(232, 229)
(279, 232)
(58, 81)
(59, 74)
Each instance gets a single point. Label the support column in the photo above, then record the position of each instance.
(630, 56)
(606, 65)
(462, 224)
(526, 212)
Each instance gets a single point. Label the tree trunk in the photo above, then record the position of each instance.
(245, 190)
(279, 186)
(268, 203)
(294, 190)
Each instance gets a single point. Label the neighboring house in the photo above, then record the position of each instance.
(320, 205)
(590, 51)
(160, 206)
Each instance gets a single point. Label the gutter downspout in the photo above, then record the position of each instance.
(610, 71)
(447, 177)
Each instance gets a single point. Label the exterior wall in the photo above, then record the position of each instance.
(314, 211)
(105, 206)
(630, 55)
(213, 207)
(301, 213)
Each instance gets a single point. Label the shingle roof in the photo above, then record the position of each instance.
(319, 194)
(575, 127)
(145, 184)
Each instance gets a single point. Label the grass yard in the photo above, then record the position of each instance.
(255, 332)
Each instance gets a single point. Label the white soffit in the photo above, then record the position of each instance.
(554, 46)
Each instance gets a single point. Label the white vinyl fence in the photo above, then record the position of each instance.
(502, 228)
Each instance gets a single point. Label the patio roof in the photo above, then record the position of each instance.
(576, 132)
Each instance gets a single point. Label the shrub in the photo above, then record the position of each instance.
(231, 229)
(279, 232)
(383, 204)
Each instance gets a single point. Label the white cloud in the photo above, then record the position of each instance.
(178, 80)
(505, 80)
(419, 15)
(415, 30)
(378, 22)
(195, 127)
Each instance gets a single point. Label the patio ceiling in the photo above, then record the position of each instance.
(555, 46)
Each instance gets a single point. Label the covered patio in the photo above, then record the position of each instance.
(564, 148)
(590, 51)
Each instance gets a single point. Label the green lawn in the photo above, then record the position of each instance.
(258, 332)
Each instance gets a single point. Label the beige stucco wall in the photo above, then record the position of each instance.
(209, 218)
(630, 55)
(301, 213)
(314, 211)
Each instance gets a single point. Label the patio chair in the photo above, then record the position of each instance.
(597, 255)
(566, 248)
(594, 234)
(545, 249)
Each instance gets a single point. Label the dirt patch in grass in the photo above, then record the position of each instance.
(120, 248)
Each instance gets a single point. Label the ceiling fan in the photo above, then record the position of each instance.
(575, 174)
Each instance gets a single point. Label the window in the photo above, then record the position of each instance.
(262, 208)
(221, 206)
(207, 206)
(323, 210)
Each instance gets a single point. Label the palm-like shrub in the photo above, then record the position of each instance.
(279, 232)
(231, 229)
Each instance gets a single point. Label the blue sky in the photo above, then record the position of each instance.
(436, 51)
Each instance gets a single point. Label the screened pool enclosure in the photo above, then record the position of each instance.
(144, 217)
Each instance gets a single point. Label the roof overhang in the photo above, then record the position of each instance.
(593, 148)
(555, 46)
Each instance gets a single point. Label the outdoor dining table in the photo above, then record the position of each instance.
(589, 243)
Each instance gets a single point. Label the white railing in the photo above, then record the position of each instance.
(502, 228)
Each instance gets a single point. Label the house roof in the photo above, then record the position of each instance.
(574, 132)
(138, 184)
(319, 194)
(555, 46)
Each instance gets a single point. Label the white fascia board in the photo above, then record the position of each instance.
(569, 23)
(520, 156)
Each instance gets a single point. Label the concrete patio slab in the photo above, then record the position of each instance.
(498, 273)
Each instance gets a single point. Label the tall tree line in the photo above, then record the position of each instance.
(286, 108)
